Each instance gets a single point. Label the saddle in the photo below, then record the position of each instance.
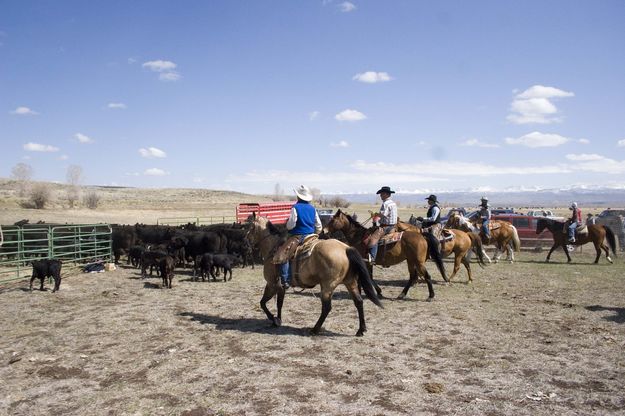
(443, 235)
(580, 230)
(293, 249)
(493, 225)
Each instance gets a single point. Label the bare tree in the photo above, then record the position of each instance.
(91, 200)
(74, 176)
(278, 192)
(316, 193)
(22, 173)
(40, 195)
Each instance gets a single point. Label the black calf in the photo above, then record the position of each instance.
(47, 268)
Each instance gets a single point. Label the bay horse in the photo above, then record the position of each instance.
(330, 264)
(460, 245)
(504, 236)
(413, 247)
(596, 234)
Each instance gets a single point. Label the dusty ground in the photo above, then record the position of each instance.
(523, 339)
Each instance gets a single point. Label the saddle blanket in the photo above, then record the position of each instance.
(390, 238)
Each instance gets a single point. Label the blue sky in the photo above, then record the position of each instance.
(344, 96)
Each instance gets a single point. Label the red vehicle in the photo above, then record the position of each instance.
(526, 227)
(276, 212)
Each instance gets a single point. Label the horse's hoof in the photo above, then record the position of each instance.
(360, 333)
(610, 260)
(277, 322)
(429, 299)
(314, 332)
(401, 297)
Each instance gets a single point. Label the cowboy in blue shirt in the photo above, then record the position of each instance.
(303, 220)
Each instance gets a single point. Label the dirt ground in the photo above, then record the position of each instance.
(526, 339)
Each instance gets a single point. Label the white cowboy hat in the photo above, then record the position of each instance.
(303, 193)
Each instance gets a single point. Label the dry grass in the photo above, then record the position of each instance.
(524, 339)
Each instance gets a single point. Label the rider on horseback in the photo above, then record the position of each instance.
(433, 214)
(387, 218)
(484, 213)
(303, 221)
(575, 221)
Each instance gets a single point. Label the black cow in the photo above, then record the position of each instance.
(134, 254)
(204, 266)
(167, 265)
(151, 259)
(124, 237)
(225, 261)
(47, 268)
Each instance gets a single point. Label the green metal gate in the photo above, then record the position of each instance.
(74, 244)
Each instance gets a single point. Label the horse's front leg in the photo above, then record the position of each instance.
(268, 294)
(326, 307)
(566, 251)
(412, 280)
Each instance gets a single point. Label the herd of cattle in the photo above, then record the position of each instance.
(209, 250)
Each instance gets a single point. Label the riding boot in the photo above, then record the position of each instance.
(285, 275)
(373, 252)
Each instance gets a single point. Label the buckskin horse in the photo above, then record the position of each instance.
(460, 245)
(413, 247)
(502, 234)
(330, 264)
(596, 234)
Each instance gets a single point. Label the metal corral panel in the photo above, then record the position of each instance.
(276, 212)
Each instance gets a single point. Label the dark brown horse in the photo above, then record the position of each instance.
(596, 234)
(414, 247)
(330, 264)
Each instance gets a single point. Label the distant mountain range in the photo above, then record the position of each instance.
(513, 197)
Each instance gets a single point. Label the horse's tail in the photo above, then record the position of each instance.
(478, 248)
(358, 266)
(434, 250)
(609, 235)
(516, 241)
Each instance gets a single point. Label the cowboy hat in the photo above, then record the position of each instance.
(303, 193)
(386, 189)
(432, 198)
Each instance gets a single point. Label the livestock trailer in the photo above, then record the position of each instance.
(276, 212)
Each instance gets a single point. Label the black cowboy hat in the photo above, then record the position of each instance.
(386, 189)
(432, 198)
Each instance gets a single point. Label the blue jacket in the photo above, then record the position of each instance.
(305, 219)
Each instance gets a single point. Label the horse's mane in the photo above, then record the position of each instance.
(351, 220)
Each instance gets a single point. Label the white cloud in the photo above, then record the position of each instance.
(131, 61)
(372, 77)
(537, 139)
(350, 115)
(155, 172)
(456, 168)
(534, 105)
(24, 111)
(342, 143)
(159, 66)
(169, 76)
(63, 157)
(83, 138)
(36, 147)
(539, 91)
(166, 69)
(599, 164)
(583, 141)
(152, 152)
(115, 106)
(347, 7)
(584, 157)
(621, 143)
(313, 115)
(477, 143)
